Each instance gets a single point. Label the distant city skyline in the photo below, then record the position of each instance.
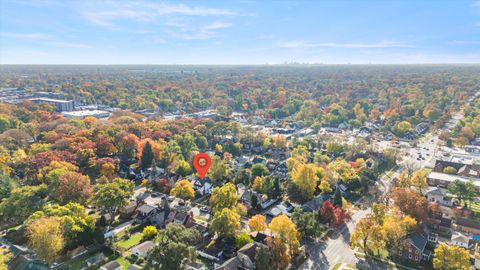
(239, 32)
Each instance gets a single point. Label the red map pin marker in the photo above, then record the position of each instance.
(202, 163)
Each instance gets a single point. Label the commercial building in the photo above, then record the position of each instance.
(60, 104)
(82, 114)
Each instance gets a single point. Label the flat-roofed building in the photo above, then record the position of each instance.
(82, 114)
(60, 104)
(443, 180)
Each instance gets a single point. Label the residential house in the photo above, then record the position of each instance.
(463, 168)
(112, 265)
(96, 260)
(315, 204)
(141, 250)
(281, 170)
(259, 159)
(412, 248)
(271, 165)
(245, 195)
(181, 215)
(439, 196)
(432, 237)
(472, 149)
(460, 240)
(283, 208)
(467, 225)
(129, 209)
(421, 128)
(152, 214)
(244, 260)
(241, 161)
(204, 187)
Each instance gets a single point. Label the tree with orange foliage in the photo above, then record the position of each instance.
(73, 187)
(410, 202)
(257, 223)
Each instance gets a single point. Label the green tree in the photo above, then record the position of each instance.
(225, 223)
(23, 201)
(337, 198)
(112, 196)
(224, 197)
(7, 184)
(465, 191)
(174, 248)
(307, 223)
(242, 239)
(218, 170)
(184, 168)
(77, 224)
(147, 157)
(262, 258)
(259, 170)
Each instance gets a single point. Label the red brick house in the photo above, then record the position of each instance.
(412, 248)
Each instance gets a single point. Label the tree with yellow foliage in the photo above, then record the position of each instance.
(419, 179)
(304, 177)
(5, 256)
(396, 228)
(257, 223)
(325, 186)
(224, 197)
(362, 233)
(451, 258)
(183, 189)
(225, 223)
(46, 238)
(286, 231)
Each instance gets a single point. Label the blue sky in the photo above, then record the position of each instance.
(239, 32)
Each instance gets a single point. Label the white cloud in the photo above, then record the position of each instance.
(142, 11)
(466, 42)
(206, 31)
(29, 36)
(70, 45)
(45, 39)
(301, 44)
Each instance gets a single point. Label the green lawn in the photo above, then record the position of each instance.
(475, 207)
(124, 263)
(134, 240)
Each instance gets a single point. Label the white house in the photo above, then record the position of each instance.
(439, 196)
(460, 240)
(112, 265)
(142, 249)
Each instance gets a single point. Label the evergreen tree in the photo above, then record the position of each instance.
(147, 156)
(337, 198)
(276, 188)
